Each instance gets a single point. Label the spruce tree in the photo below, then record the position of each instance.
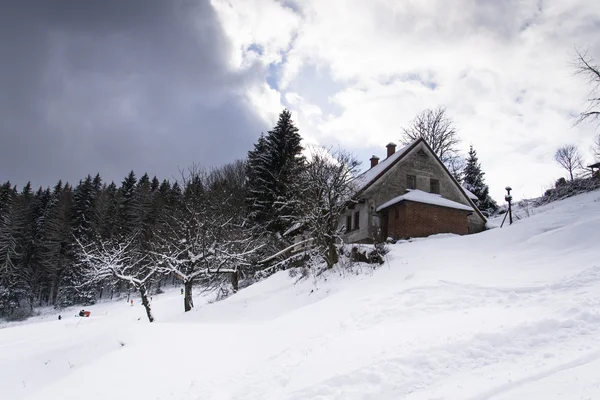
(85, 209)
(108, 208)
(22, 232)
(126, 194)
(155, 184)
(141, 216)
(473, 181)
(260, 198)
(58, 238)
(69, 278)
(274, 167)
(9, 293)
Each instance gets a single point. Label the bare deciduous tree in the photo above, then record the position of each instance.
(585, 66)
(596, 148)
(437, 129)
(569, 158)
(107, 260)
(329, 186)
(206, 240)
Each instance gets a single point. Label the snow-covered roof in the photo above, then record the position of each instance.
(420, 196)
(470, 194)
(367, 177)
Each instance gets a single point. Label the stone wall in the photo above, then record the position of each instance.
(363, 233)
(420, 163)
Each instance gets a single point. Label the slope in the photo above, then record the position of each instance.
(509, 313)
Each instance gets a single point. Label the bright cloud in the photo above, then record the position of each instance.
(355, 72)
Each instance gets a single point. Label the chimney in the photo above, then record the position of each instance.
(391, 149)
(374, 161)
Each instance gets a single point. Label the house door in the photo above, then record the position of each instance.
(384, 225)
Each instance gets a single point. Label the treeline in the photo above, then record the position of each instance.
(221, 227)
(42, 232)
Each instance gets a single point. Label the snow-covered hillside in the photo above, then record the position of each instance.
(512, 313)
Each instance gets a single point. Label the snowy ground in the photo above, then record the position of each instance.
(512, 313)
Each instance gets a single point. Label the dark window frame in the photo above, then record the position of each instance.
(348, 223)
(411, 181)
(357, 220)
(434, 186)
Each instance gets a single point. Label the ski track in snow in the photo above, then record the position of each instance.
(507, 314)
(421, 367)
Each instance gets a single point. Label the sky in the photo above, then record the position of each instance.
(155, 86)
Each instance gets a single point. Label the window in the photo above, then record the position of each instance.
(411, 182)
(348, 223)
(434, 186)
(396, 213)
(356, 220)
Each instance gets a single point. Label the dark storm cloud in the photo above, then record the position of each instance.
(110, 86)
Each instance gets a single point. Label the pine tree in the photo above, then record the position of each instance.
(126, 193)
(108, 208)
(21, 234)
(473, 181)
(141, 217)
(58, 238)
(43, 249)
(9, 291)
(85, 209)
(260, 197)
(273, 170)
(155, 184)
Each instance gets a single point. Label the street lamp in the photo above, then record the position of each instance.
(508, 198)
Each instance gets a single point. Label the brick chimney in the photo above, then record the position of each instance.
(391, 149)
(374, 161)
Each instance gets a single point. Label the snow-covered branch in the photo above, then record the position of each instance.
(108, 259)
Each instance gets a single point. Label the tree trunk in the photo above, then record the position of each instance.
(188, 303)
(53, 291)
(146, 303)
(332, 256)
(235, 280)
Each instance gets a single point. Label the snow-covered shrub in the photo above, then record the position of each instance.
(223, 292)
(20, 314)
(369, 254)
(563, 189)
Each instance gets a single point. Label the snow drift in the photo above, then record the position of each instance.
(508, 313)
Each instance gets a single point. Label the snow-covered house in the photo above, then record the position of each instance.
(409, 194)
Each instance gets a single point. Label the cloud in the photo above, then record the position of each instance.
(354, 72)
(118, 85)
(155, 85)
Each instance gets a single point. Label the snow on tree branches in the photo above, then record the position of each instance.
(328, 187)
(474, 182)
(272, 171)
(105, 260)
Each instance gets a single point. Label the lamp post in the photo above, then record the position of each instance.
(508, 198)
